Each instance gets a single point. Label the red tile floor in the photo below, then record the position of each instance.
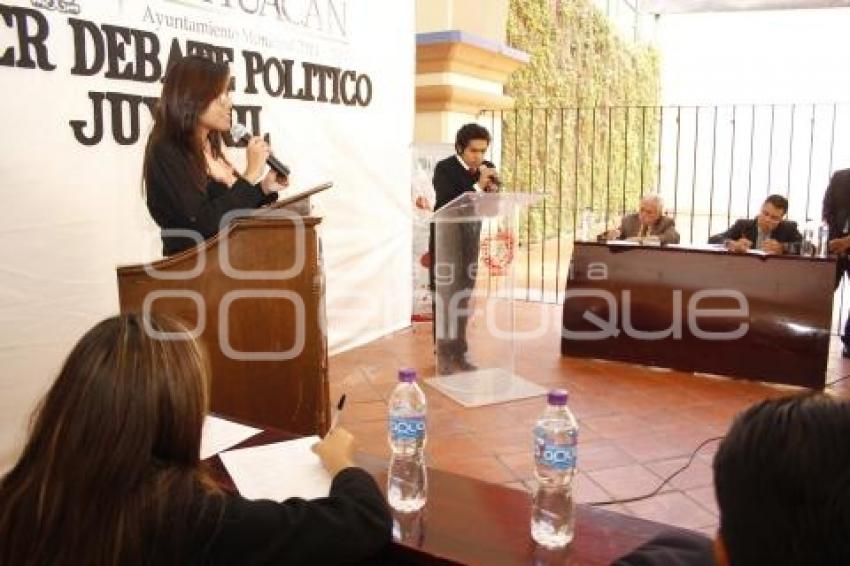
(638, 424)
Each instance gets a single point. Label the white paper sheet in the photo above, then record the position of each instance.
(220, 434)
(278, 471)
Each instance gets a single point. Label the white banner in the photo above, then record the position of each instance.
(329, 80)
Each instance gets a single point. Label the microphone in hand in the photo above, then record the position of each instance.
(495, 180)
(240, 133)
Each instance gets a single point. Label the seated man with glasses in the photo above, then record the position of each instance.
(649, 222)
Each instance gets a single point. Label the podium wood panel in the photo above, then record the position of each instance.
(237, 323)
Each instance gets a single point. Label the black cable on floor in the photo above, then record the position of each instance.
(663, 483)
(837, 381)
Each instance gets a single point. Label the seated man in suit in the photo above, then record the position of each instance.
(650, 221)
(781, 481)
(767, 231)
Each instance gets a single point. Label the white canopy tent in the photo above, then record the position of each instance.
(683, 6)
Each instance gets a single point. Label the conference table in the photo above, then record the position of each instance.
(701, 309)
(468, 521)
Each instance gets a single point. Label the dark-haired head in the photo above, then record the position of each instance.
(193, 85)
(471, 143)
(778, 201)
(782, 479)
(772, 212)
(113, 451)
(469, 132)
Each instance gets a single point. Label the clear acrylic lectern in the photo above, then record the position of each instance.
(475, 247)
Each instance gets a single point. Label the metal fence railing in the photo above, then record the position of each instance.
(710, 164)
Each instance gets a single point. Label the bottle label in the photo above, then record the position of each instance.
(557, 456)
(407, 428)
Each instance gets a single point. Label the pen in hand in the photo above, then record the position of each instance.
(335, 449)
(335, 418)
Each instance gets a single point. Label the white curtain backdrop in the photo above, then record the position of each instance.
(70, 213)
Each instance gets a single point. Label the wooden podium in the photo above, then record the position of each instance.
(255, 296)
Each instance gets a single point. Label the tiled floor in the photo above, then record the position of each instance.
(638, 424)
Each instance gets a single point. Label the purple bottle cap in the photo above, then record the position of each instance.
(558, 397)
(407, 375)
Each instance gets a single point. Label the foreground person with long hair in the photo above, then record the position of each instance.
(111, 472)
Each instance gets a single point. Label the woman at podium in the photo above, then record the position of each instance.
(190, 184)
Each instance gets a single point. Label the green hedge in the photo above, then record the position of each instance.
(579, 67)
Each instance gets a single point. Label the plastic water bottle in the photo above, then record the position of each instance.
(409, 528)
(407, 479)
(823, 241)
(808, 246)
(555, 442)
(586, 224)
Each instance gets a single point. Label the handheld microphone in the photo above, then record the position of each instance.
(495, 179)
(240, 133)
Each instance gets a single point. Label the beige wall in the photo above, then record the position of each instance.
(454, 83)
(433, 15)
(440, 127)
(485, 18)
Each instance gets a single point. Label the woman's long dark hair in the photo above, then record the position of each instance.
(111, 471)
(173, 151)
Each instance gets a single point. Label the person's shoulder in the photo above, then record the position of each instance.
(630, 218)
(161, 147)
(841, 175)
(447, 163)
(666, 222)
(672, 548)
(155, 167)
(161, 153)
(839, 181)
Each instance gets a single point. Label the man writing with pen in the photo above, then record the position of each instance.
(768, 231)
(455, 263)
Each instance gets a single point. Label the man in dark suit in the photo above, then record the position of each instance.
(454, 264)
(836, 214)
(767, 231)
